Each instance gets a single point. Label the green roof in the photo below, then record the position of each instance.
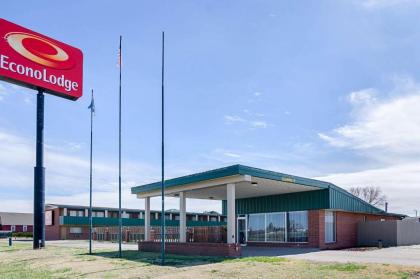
(338, 198)
(229, 171)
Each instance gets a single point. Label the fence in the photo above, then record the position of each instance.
(388, 233)
(5, 234)
(214, 234)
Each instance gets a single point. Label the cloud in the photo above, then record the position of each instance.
(364, 97)
(231, 154)
(259, 124)
(230, 119)
(400, 183)
(3, 92)
(390, 126)
(67, 178)
(385, 131)
(379, 4)
(257, 94)
(253, 124)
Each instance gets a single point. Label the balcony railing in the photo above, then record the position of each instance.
(105, 221)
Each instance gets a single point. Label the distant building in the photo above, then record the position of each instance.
(72, 222)
(16, 222)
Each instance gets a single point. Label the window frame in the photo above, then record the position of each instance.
(334, 227)
(286, 224)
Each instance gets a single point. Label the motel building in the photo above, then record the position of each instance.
(264, 208)
(71, 222)
(16, 222)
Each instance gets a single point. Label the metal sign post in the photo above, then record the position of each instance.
(39, 176)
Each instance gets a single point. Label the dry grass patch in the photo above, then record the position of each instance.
(20, 261)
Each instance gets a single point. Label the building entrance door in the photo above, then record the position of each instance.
(241, 226)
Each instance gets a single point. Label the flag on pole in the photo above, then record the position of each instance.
(119, 59)
(92, 104)
(92, 112)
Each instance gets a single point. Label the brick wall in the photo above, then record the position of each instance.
(73, 236)
(18, 228)
(198, 249)
(346, 230)
(346, 226)
(53, 232)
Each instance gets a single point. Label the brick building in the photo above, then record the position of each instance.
(269, 208)
(16, 222)
(72, 222)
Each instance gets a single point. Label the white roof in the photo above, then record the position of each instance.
(11, 218)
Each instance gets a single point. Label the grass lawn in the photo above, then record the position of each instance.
(20, 261)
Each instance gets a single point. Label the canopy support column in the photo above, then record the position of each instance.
(147, 219)
(182, 218)
(231, 235)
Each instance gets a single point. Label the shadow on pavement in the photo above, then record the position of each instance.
(252, 251)
(154, 258)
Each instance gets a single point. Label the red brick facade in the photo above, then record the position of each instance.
(52, 232)
(346, 230)
(18, 228)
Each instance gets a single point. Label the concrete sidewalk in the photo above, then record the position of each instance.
(402, 255)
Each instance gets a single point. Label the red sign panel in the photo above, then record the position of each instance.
(33, 60)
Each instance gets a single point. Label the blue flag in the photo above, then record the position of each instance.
(92, 104)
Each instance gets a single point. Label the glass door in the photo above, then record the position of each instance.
(241, 226)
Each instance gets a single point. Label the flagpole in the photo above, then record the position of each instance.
(163, 155)
(119, 160)
(90, 182)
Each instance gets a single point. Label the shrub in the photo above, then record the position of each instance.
(22, 234)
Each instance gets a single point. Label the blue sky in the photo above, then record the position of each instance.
(325, 89)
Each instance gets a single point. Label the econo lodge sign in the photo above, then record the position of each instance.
(34, 60)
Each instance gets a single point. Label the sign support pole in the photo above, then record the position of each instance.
(162, 228)
(39, 176)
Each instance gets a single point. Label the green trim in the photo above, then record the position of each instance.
(102, 221)
(282, 203)
(336, 197)
(229, 171)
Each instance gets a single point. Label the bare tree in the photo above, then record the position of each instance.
(370, 194)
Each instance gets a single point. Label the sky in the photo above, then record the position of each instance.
(321, 89)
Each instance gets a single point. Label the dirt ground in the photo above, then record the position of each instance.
(21, 261)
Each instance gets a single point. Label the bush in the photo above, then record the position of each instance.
(22, 234)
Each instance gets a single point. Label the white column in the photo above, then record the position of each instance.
(196, 217)
(182, 217)
(64, 211)
(230, 191)
(218, 218)
(106, 213)
(147, 219)
(140, 215)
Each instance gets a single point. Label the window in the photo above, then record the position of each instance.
(297, 226)
(76, 213)
(330, 230)
(213, 218)
(98, 214)
(13, 228)
(25, 228)
(276, 227)
(256, 227)
(76, 230)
